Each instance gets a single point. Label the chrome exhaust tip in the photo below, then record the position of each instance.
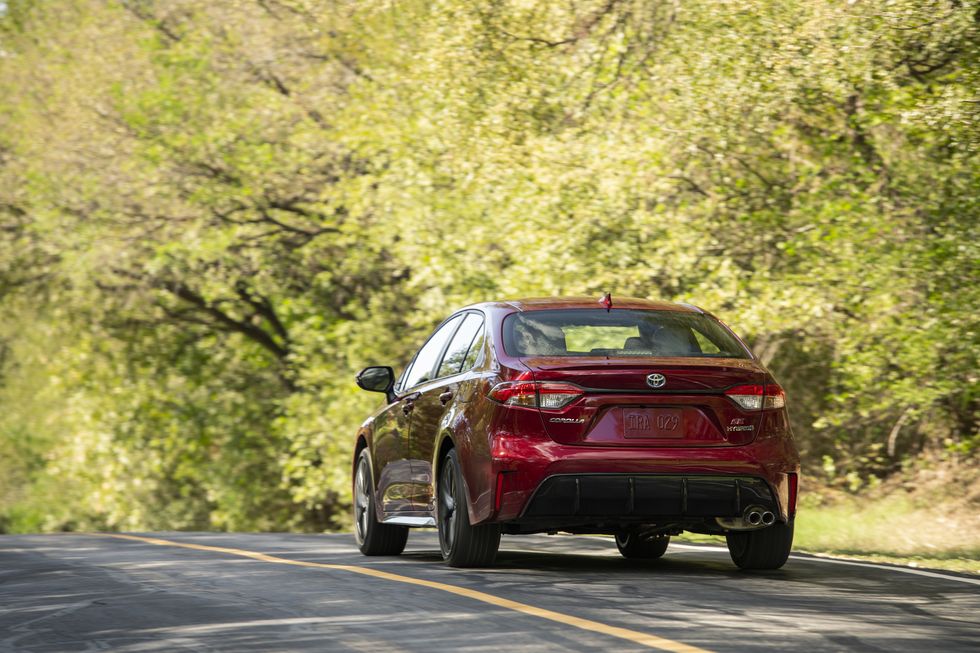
(753, 518)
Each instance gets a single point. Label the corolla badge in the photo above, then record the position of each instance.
(656, 380)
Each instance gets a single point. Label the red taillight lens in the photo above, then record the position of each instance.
(757, 397)
(748, 397)
(516, 393)
(775, 397)
(529, 394)
(557, 395)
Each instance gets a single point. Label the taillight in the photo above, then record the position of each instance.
(529, 394)
(516, 393)
(775, 397)
(748, 397)
(757, 397)
(557, 395)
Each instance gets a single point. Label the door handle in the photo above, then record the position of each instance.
(409, 404)
(445, 397)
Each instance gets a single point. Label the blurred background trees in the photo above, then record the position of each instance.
(213, 214)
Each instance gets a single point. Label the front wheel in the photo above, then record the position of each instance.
(462, 544)
(767, 548)
(632, 546)
(373, 538)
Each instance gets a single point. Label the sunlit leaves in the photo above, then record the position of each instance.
(223, 210)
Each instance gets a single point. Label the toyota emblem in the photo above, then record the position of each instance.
(656, 380)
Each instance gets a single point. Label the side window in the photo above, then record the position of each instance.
(475, 348)
(425, 360)
(452, 362)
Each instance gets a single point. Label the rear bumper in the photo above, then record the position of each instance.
(645, 496)
(543, 481)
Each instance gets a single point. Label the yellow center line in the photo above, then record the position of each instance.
(634, 636)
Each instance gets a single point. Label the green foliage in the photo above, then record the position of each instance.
(211, 220)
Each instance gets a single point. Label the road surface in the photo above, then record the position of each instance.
(284, 592)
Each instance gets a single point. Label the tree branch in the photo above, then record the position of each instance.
(225, 321)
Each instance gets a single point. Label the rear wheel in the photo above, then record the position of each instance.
(462, 544)
(631, 545)
(373, 538)
(767, 548)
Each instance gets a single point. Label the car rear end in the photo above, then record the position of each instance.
(652, 416)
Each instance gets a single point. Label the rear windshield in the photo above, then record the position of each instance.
(619, 332)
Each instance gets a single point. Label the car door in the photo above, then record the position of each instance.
(392, 469)
(417, 378)
(435, 399)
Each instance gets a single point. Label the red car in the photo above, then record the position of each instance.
(627, 417)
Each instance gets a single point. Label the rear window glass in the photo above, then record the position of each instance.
(619, 332)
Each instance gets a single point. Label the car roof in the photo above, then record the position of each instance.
(546, 303)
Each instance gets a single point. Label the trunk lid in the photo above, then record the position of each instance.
(620, 407)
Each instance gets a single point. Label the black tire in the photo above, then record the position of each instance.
(632, 546)
(462, 544)
(373, 537)
(767, 548)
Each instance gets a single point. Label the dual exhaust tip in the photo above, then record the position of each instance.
(756, 517)
(752, 518)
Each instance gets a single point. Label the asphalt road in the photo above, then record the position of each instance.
(281, 592)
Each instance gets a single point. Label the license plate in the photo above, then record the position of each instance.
(653, 423)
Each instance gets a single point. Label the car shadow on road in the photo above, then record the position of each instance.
(571, 564)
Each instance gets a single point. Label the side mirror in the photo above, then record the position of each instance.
(376, 379)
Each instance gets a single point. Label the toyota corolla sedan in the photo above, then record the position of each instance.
(626, 417)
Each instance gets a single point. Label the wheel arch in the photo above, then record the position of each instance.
(446, 443)
(360, 445)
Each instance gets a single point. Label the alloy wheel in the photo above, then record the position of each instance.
(362, 500)
(447, 508)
